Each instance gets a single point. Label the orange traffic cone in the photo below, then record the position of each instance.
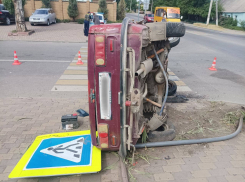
(212, 68)
(16, 61)
(79, 60)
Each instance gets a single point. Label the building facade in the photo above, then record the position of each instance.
(234, 9)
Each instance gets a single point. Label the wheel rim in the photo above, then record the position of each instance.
(48, 22)
(7, 21)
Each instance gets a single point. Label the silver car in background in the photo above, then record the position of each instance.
(43, 16)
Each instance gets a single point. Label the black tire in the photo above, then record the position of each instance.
(32, 24)
(7, 21)
(48, 23)
(159, 136)
(172, 88)
(175, 29)
(174, 41)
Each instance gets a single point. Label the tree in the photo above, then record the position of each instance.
(133, 4)
(103, 8)
(72, 9)
(19, 16)
(9, 5)
(121, 10)
(46, 4)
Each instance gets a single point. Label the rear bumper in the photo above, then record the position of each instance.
(38, 21)
(2, 18)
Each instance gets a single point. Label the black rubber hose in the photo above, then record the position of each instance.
(195, 141)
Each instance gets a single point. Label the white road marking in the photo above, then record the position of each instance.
(49, 61)
(70, 88)
(74, 77)
(71, 151)
(77, 68)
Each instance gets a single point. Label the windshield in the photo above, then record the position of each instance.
(173, 13)
(45, 12)
(150, 15)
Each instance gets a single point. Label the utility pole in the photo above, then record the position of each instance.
(217, 18)
(130, 5)
(139, 11)
(151, 6)
(210, 7)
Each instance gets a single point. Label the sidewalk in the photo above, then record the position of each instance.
(22, 119)
(213, 27)
(59, 32)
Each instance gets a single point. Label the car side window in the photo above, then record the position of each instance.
(3, 8)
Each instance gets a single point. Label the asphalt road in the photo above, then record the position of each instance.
(135, 16)
(191, 59)
(56, 51)
(42, 65)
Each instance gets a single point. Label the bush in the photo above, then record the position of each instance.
(103, 8)
(62, 21)
(9, 5)
(80, 21)
(227, 21)
(46, 4)
(242, 23)
(72, 9)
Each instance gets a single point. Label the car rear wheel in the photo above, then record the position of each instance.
(32, 24)
(174, 41)
(48, 23)
(7, 21)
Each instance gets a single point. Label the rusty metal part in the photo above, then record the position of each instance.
(145, 67)
(135, 100)
(152, 102)
(157, 31)
(148, 107)
(158, 52)
(132, 66)
(156, 121)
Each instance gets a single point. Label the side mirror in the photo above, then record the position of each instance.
(181, 17)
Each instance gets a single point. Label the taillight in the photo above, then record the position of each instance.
(100, 50)
(1, 13)
(111, 45)
(101, 22)
(103, 135)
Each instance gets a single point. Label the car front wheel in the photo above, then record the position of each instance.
(48, 23)
(7, 21)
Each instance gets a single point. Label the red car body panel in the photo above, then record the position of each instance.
(112, 34)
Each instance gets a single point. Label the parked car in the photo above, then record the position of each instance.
(43, 16)
(148, 18)
(5, 16)
(101, 18)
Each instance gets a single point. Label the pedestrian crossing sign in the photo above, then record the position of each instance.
(59, 154)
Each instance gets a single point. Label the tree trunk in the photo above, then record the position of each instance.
(19, 16)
